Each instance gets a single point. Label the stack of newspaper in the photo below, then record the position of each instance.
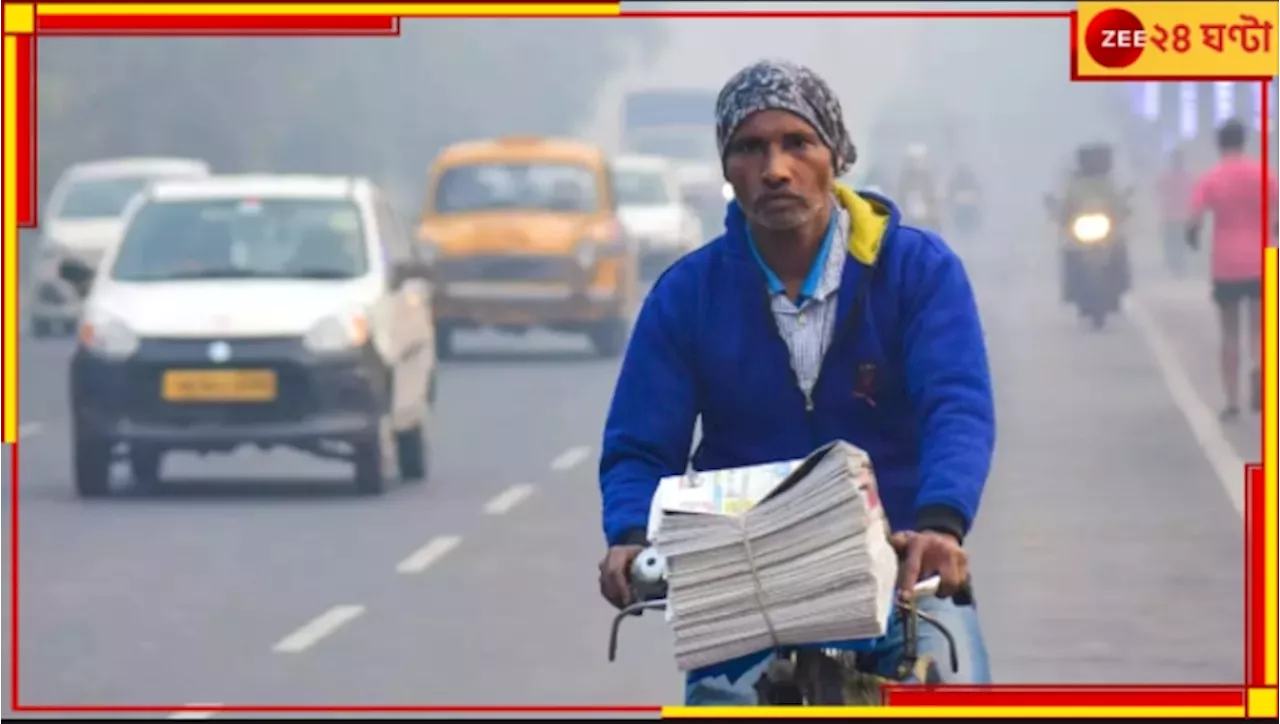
(783, 554)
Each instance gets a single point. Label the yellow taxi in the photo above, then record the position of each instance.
(523, 233)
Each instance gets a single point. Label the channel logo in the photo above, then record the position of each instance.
(1115, 38)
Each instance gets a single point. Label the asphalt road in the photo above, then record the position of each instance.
(1107, 549)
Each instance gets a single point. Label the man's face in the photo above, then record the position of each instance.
(781, 172)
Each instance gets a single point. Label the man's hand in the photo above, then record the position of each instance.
(615, 575)
(927, 553)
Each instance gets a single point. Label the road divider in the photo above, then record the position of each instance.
(1204, 424)
(571, 458)
(317, 629)
(423, 558)
(506, 500)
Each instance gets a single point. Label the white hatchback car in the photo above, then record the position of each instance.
(653, 212)
(83, 219)
(257, 310)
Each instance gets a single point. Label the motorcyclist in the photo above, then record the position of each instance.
(918, 188)
(905, 373)
(1091, 186)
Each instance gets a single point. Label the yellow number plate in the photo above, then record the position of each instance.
(218, 386)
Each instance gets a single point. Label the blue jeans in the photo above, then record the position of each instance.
(961, 621)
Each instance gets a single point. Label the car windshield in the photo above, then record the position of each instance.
(99, 198)
(641, 188)
(557, 187)
(243, 239)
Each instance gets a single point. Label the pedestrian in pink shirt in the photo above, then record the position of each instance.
(1175, 193)
(1232, 192)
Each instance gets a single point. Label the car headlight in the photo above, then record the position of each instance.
(337, 333)
(1091, 228)
(727, 191)
(108, 336)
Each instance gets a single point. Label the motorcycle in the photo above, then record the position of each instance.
(1096, 272)
(811, 675)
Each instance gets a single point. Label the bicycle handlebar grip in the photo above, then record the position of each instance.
(649, 574)
(929, 587)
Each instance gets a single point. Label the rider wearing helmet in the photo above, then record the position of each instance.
(1092, 184)
(870, 335)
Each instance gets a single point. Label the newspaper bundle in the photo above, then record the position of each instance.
(782, 554)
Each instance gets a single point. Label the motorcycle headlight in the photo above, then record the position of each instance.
(1091, 228)
(337, 333)
(108, 336)
(727, 191)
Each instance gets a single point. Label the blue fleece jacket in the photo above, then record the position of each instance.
(905, 376)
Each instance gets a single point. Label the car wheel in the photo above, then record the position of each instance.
(371, 460)
(610, 338)
(92, 467)
(412, 454)
(145, 465)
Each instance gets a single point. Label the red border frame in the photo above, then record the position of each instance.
(322, 25)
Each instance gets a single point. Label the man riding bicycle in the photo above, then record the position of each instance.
(815, 316)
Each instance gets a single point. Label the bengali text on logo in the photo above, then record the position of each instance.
(1177, 40)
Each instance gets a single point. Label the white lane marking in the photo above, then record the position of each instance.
(506, 500)
(27, 429)
(571, 458)
(316, 629)
(197, 711)
(1222, 456)
(434, 550)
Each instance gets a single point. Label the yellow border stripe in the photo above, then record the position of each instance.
(10, 241)
(931, 712)
(1270, 259)
(1262, 703)
(373, 8)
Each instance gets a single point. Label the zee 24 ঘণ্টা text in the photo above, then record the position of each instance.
(1250, 35)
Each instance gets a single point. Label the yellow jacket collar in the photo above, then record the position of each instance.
(868, 222)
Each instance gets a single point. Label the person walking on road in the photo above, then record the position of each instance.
(1232, 192)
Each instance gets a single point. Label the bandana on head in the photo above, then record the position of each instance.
(781, 85)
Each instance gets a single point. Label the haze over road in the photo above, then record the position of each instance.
(1106, 549)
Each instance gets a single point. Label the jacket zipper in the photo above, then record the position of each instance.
(854, 320)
